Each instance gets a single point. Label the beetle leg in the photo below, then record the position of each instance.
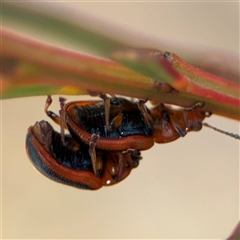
(135, 153)
(106, 100)
(147, 117)
(52, 115)
(117, 121)
(96, 162)
(131, 163)
(195, 106)
(120, 165)
(62, 114)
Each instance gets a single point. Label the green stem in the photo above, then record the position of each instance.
(52, 70)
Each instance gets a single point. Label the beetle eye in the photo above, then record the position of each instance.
(135, 163)
(127, 165)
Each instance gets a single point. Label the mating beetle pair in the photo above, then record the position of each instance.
(105, 139)
(74, 167)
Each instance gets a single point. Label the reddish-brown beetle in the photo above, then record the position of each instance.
(72, 164)
(98, 151)
(122, 124)
(118, 124)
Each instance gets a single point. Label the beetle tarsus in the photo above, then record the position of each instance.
(48, 103)
(52, 115)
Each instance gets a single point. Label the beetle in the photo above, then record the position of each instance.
(117, 124)
(71, 164)
(78, 160)
(119, 127)
(124, 124)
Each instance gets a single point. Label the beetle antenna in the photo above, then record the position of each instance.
(236, 136)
